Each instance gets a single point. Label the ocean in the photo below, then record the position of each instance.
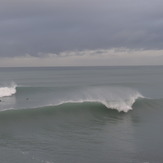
(81, 114)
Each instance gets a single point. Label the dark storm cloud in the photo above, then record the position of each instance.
(53, 26)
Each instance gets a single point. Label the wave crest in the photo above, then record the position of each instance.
(8, 90)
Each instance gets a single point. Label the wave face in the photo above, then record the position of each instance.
(8, 90)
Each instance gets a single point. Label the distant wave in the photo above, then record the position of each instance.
(8, 90)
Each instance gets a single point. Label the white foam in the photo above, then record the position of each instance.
(8, 90)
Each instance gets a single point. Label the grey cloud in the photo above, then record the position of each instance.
(53, 26)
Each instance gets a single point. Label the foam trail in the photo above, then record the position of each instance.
(8, 90)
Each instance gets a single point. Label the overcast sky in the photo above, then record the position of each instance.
(66, 32)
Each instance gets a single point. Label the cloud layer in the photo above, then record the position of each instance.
(100, 57)
(54, 26)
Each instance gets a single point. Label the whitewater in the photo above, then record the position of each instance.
(8, 90)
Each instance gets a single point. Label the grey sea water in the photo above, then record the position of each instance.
(81, 114)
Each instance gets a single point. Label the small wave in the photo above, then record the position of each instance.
(8, 90)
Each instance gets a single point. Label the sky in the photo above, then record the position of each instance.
(81, 32)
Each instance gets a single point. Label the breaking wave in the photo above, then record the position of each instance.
(8, 90)
(119, 98)
(121, 106)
